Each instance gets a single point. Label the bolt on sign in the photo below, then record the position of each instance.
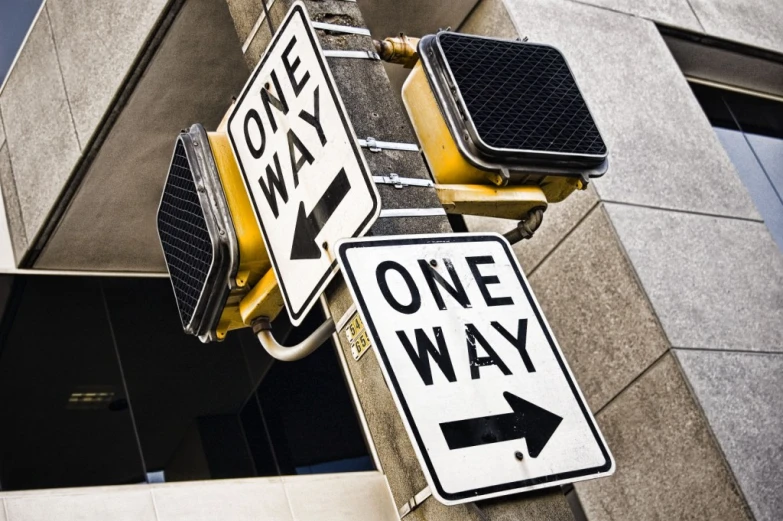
(306, 175)
(483, 389)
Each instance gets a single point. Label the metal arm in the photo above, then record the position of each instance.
(262, 327)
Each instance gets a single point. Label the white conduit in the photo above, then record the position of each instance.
(263, 329)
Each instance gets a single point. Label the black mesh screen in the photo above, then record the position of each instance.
(521, 96)
(184, 235)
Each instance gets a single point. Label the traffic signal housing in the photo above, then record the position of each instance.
(212, 244)
(502, 124)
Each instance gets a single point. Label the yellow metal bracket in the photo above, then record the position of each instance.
(264, 300)
(507, 202)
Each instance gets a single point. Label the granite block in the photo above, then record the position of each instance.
(13, 211)
(129, 503)
(714, 283)
(235, 499)
(410, 17)
(559, 219)
(752, 22)
(597, 310)
(490, 18)
(324, 496)
(97, 42)
(676, 13)
(2, 130)
(111, 221)
(668, 464)
(39, 130)
(661, 146)
(741, 395)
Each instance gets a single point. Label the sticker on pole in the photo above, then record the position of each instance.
(485, 393)
(305, 173)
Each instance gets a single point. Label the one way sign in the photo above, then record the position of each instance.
(488, 400)
(305, 173)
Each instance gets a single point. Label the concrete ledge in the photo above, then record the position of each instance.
(356, 496)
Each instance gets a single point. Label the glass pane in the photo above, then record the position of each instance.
(714, 107)
(756, 115)
(70, 346)
(769, 151)
(751, 130)
(186, 395)
(63, 410)
(755, 180)
(310, 415)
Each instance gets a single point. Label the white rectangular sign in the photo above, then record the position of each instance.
(303, 168)
(488, 400)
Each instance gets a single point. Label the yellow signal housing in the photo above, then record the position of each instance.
(496, 145)
(256, 292)
(220, 271)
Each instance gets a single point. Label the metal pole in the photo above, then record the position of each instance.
(375, 111)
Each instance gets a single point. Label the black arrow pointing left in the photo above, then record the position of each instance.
(309, 226)
(528, 421)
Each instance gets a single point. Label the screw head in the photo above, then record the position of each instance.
(433, 263)
(518, 455)
(325, 245)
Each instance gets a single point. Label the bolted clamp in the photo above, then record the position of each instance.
(372, 144)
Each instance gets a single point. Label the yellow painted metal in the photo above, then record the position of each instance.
(256, 292)
(264, 300)
(463, 188)
(253, 259)
(507, 202)
(558, 188)
(446, 162)
(398, 49)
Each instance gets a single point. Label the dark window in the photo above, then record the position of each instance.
(100, 386)
(751, 130)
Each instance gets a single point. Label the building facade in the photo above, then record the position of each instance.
(663, 281)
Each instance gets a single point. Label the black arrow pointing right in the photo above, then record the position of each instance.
(308, 227)
(528, 421)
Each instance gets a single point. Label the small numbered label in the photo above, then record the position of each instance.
(354, 327)
(357, 337)
(361, 345)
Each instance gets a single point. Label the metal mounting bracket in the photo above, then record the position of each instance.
(412, 212)
(377, 146)
(399, 182)
(414, 502)
(341, 28)
(362, 55)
